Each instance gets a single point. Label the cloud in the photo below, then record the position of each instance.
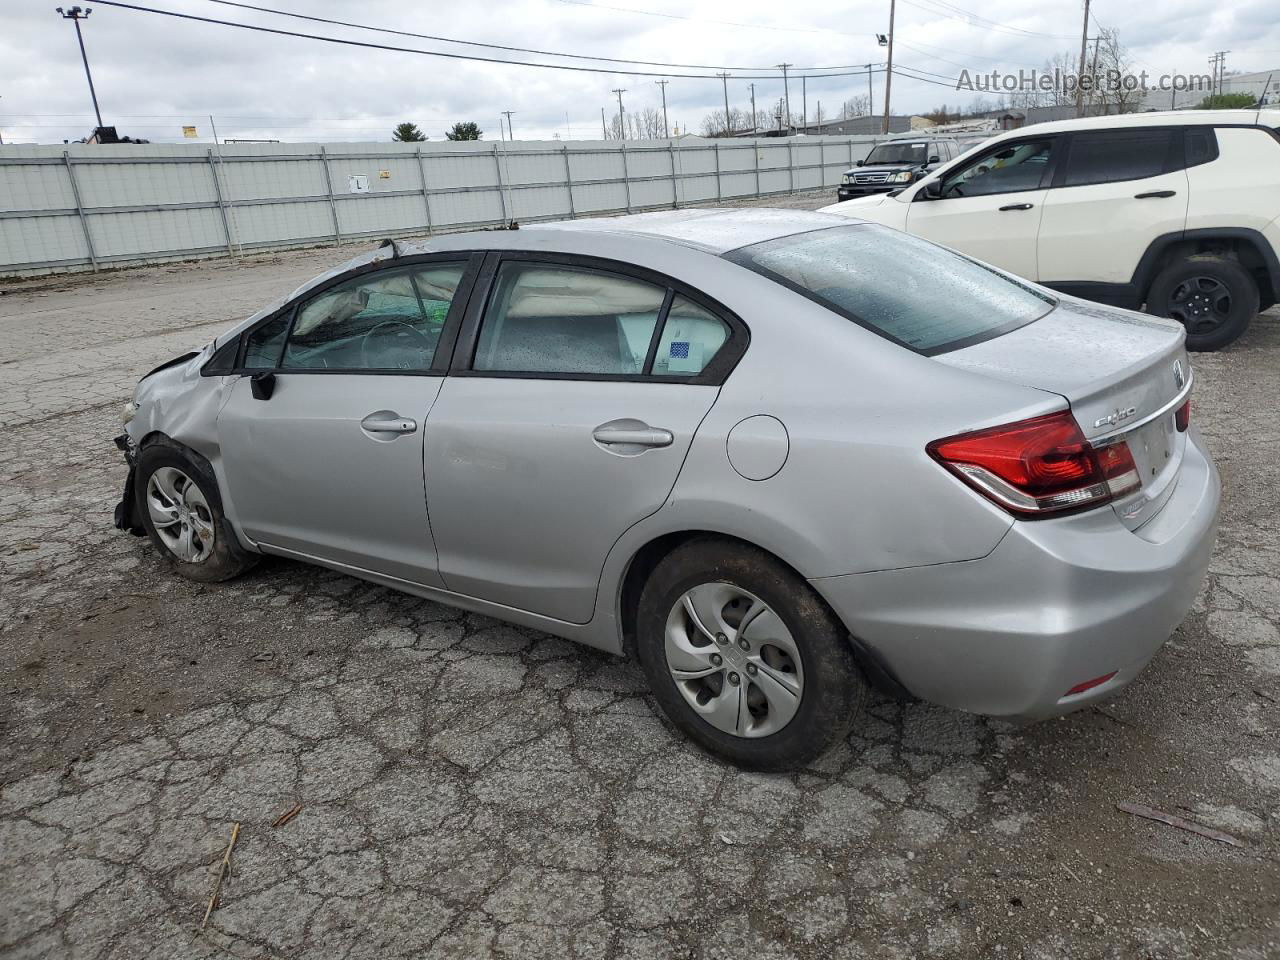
(155, 74)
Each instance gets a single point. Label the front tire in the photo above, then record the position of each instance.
(1214, 298)
(178, 500)
(745, 658)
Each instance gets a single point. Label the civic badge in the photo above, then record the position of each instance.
(1178, 379)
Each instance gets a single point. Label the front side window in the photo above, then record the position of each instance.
(387, 320)
(1111, 156)
(923, 296)
(567, 320)
(1010, 169)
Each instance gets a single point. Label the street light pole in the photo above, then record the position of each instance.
(622, 119)
(510, 133)
(666, 127)
(75, 15)
(754, 125)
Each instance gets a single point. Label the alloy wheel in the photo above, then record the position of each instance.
(734, 660)
(180, 514)
(1201, 304)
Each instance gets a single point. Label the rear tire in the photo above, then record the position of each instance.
(767, 678)
(1214, 298)
(177, 497)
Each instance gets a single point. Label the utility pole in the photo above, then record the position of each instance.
(1084, 43)
(888, 73)
(622, 120)
(666, 127)
(75, 15)
(510, 133)
(604, 131)
(804, 104)
(1219, 63)
(871, 92)
(754, 126)
(1093, 70)
(786, 92)
(728, 119)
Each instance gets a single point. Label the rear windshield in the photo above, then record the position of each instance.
(897, 153)
(922, 296)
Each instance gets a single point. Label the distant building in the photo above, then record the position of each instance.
(1265, 85)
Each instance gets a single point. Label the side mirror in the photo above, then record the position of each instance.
(262, 385)
(859, 163)
(932, 190)
(934, 159)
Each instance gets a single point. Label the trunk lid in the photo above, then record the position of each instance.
(1124, 375)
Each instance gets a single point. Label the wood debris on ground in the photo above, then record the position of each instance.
(288, 815)
(224, 868)
(1150, 813)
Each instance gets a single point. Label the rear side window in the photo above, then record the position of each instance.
(1111, 156)
(567, 320)
(1200, 146)
(923, 296)
(691, 336)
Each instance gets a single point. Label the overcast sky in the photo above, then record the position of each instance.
(154, 74)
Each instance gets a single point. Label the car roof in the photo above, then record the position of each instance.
(1165, 118)
(712, 230)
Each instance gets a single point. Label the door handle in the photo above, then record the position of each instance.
(387, 422)
(642, 436)
(1155, 193)
(1017, 206)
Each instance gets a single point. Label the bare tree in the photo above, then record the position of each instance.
(713, 124)
(1114, 66)
(859, 106)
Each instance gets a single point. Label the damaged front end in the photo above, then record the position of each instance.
(126, 517)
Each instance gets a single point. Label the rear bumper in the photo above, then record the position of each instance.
(1056, 603)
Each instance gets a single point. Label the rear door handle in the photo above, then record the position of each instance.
(1155, 193)
(1017, 206)
(641, 436)
(386, 421)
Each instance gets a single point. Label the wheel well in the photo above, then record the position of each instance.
(1241, 249)
(652, 553)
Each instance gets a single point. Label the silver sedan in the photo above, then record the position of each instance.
(778, 457)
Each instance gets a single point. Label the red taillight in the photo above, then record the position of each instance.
(1039, 466)
(1182, 419)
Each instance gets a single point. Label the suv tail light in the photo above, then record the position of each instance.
(1039, 466)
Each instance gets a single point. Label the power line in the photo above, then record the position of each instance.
(977, 20)
(439, 53)
(494, 46)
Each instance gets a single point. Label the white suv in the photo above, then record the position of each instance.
(1177, 212)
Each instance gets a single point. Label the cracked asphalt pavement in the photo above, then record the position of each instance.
(472, 789)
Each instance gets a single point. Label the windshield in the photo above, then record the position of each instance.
(898, 153)
(923, 296)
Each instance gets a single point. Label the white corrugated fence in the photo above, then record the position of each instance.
(86, 207)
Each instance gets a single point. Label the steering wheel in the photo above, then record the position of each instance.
(413, 349)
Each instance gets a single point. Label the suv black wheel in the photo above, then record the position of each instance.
(178, 500)
(1214, 298)
(744, 657)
